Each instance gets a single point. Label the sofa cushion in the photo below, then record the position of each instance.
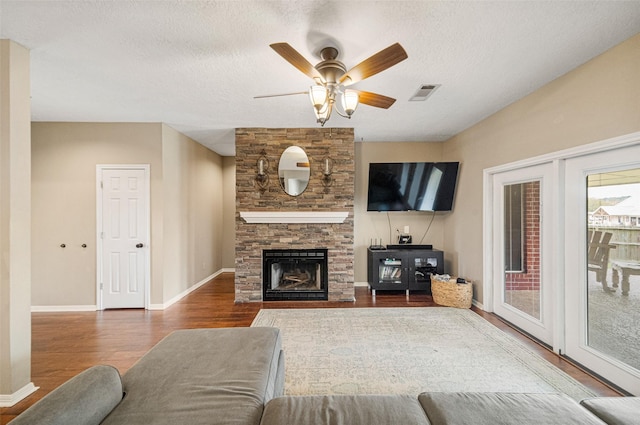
(279, 381)
(504, 408)
(615, 410)
(203, 376)
(344, 410)
(85, 399)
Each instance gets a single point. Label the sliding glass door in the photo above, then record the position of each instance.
(522, 219)
(602, 257)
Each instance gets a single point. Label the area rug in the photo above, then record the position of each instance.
(407, 351)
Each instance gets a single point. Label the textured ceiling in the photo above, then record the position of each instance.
(196, 65)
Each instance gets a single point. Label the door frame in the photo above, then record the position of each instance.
(99, 223)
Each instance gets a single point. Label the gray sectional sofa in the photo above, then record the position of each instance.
(236, 376)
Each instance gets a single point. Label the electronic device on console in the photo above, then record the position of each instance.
(409, 246)
(376, 245)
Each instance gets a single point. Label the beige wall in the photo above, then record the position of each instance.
(186, 188)
(193, 212)
(596, 101)
(372, 225)
(64, 162)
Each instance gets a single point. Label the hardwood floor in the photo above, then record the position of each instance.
(64, 344)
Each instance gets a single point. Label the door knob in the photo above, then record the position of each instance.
(139, 245)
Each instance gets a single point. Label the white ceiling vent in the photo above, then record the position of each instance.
(424, 92)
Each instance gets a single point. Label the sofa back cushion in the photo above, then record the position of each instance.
(392, 409)
(615, 410)
(203, 377)
(504, 408)
(85, 399)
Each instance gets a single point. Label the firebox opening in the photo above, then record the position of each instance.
(295, 274)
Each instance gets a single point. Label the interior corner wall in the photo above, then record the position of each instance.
(596, 101)
(382, 226)
(192, 213)
(229, 213)
(186, 211)
(64, 159)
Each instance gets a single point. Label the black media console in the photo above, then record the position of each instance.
(405, 269)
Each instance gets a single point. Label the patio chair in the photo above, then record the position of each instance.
(598, 255)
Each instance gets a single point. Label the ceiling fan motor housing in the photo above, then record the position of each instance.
(330, 68)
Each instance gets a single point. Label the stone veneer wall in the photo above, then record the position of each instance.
(251, 239)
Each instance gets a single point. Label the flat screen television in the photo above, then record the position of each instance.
(412, 186)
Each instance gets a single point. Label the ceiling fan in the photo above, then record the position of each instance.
(331, 79)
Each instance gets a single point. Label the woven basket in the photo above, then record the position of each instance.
(452, 294)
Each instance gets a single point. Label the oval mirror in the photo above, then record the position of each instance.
(293, 170)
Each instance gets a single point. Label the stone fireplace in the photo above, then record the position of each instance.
(320, 218)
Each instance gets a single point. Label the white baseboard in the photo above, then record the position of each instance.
(478, 304)
(8, 400)
(77, 308)
(361, 284)
(62, 308)
(184, 293)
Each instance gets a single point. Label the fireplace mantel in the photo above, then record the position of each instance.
(294, 216)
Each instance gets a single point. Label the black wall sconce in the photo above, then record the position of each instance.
(327, 171)
(262, 174)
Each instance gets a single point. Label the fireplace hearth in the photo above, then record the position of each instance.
(294, 274)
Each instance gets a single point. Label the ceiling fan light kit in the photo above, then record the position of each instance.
(319, 96)
(323, 114)
(350, 100)
(331, 77)
(323, 100)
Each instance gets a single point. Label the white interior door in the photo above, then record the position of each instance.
(522, 221)
(602, 294)
(123, 236)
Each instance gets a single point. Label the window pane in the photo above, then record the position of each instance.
(522, 247)
(513, 231)
(613, 259)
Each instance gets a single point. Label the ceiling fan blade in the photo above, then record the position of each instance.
(292, 56)
(382, 60)
(374, 99)
(278, 95)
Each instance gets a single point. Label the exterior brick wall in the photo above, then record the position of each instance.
(251, 239)
(530, 278)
